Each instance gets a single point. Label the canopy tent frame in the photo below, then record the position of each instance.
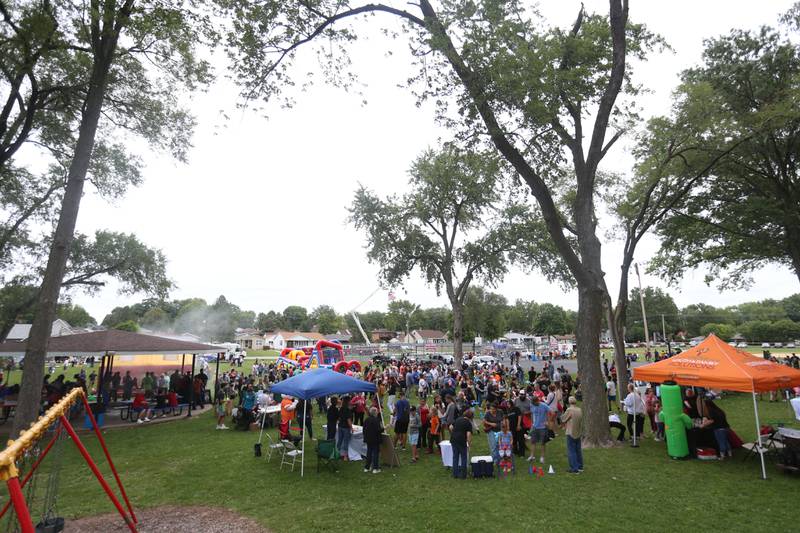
(312, 384)
(715, 364)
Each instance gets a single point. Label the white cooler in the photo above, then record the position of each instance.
(447, 453)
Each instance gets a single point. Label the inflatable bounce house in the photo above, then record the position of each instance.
(325, 354)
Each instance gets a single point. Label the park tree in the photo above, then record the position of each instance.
(75, 315)
(437, 318)
(326, 319)
(520, 316)
(245, 319)
(543, 97)
(270, 321)
(656, 303)
(723, 331)
(484, 314)
(156, 319)
(136, 59)
(550, 319)
(791, 305)
(694, 316)
(128, 325)
(92, 263)
(748, 214)
(672, 161)
(400, 316)
(295, 317)
(785, 330)
(457, 225)
(768, 310)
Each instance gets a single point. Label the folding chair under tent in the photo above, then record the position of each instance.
(715, 364)
(315, 383)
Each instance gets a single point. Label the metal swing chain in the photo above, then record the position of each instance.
(26, 462)
(51, 491)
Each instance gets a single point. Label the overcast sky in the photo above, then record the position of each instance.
(258, 213)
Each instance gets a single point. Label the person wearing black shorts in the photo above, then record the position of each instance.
(402, 410)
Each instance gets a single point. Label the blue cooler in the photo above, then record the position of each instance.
(88, 421)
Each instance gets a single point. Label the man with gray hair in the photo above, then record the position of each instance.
(571, 421)
(373, 433)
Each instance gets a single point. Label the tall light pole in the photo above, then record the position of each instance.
(644, 315)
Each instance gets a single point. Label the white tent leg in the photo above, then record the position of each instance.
(758, 436)
(263, 420)
(303, 428)
(380, 408)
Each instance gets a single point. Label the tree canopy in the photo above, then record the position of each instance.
(747, 214)
(459, 224)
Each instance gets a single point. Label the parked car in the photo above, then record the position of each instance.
(778, 345)
(446, 358)
(791, 345)
(742, 345)
(765, 345)
(482, 360)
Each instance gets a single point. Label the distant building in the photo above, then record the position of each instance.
(186, 336)
(343, 337)
(381, 335)
(278, 340)
(426, 336)
(517, 338)
(20, 332)
(249, 339)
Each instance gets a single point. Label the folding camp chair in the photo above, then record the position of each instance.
(291, 454)
(274, 447)
(328, 454)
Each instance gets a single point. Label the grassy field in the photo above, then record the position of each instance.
(187, 462)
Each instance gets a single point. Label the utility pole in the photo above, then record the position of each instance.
(663, 329)
(644, 315)
(408, 319)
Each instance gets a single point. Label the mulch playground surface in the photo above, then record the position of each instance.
(169, 519)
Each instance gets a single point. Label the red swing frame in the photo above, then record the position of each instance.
(16, 448)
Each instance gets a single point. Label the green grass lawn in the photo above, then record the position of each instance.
(189, 462)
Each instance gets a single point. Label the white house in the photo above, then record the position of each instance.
(517, 338)
(278, 340)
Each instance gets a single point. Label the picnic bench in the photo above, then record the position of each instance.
(7, 408)
(126, 411)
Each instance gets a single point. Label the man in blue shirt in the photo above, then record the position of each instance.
(401, 411)
(539, 437)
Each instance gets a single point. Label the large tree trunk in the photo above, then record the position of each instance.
(587, 336)
(30, 395)
(458, 332)
(616, 325)
(617, 316)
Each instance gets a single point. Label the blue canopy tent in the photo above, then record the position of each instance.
(315, 383)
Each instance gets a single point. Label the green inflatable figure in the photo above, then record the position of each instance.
(675, 421)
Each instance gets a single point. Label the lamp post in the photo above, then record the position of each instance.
(644, 315)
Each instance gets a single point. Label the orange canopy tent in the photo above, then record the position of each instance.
(715, 364)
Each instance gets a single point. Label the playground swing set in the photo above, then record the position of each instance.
(27, 449)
